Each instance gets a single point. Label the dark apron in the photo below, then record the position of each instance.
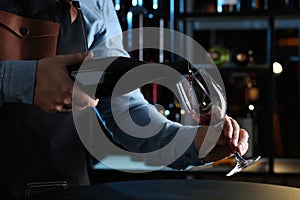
(38, 148)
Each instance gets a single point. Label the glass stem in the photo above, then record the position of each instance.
(238, 157)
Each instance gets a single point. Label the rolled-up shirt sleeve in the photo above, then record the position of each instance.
(17, 79)
(104, 34)
(138, 127)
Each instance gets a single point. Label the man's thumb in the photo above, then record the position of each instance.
(77, 58)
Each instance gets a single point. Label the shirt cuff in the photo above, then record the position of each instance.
(188, 159)
(18, 81)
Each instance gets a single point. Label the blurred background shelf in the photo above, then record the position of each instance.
(263, 90)
(269, 84)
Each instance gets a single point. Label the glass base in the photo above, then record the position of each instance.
(240, 165)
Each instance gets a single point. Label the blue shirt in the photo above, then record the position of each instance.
(101, 24)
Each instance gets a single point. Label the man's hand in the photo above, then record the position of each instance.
(232, 138)
(54, 87)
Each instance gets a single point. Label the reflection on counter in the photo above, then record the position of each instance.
(281, 166)
(126, 163)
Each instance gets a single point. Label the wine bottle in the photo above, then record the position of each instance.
(253, 5)
(248, 119)
(285, 5)
(206, 6)
(220, 55)
(227, 6)
(240, 58)
(244, 6)
(292, 5)
(252, 88)
(243, 57)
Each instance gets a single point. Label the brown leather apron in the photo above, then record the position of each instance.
(39, 149)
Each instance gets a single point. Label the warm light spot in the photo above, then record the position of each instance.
(277, 68)
(251, 107)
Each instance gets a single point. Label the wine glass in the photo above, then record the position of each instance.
(205, 102)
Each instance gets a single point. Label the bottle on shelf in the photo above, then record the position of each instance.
(285, 5)
(243, 57)
(227, 6)
(251, 91)
(240, 58)
(220, 55)
(260, 5)
(243, 102)
(292, 5)
(248, 119)
(206, 6)
(247, 6)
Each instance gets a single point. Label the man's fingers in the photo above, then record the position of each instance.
(80, 106)
(243, 141)
(82, 100)
(231, 131)
(228, 128)
(235, 132)
(73, 59)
